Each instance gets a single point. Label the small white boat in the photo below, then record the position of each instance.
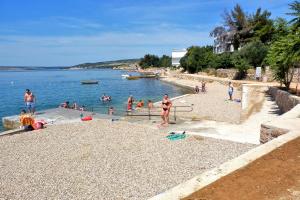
(125, 75)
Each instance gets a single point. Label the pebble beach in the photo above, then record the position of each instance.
(102, 159)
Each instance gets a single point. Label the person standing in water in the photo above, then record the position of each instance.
(130, 103)
(29, 100)
(230, 90)
(166, 105)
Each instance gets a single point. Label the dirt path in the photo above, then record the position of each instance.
(274, 176)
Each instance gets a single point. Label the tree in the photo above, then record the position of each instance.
(254, 53)
(241, 64)
(237, 24)
(149, 61)
(262, 26)
(165, 61)
(197, 58)
(281, 28)
(295, 7)
(223, 60)
(283, 56)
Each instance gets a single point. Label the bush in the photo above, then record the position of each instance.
(197, 58)
(149, 61)
(223, 60)
(254, 53)
(241, 64)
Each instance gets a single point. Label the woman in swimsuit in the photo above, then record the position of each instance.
(129, 103)
(166, 106)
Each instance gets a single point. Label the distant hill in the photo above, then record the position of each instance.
(105, 64)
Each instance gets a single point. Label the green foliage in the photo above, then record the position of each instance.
(149, 61)
(197, 58)
(281, 28)
(295, 7)
(254, 53)
(223, 60)
(165, 61)
(240, 63)
(240, 28)
(262, 26)
(283, 56)
(154, 61)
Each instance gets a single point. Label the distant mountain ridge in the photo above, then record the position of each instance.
(102, 64)
(106, 64)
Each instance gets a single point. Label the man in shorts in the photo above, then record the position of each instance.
(29, 100)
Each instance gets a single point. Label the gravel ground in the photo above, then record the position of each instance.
(103, 160)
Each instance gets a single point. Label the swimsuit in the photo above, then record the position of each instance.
(165, 103)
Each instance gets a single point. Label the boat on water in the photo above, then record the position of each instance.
(142, 76)
(125, 75)
(132, 77)
(89, 82)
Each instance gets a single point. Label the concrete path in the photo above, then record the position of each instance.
(247, 132)
(53, 116)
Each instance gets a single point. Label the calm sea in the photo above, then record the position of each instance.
(52, 87)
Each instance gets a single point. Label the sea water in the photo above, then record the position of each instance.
(52, 87)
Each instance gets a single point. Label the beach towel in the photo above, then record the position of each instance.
(176, 136)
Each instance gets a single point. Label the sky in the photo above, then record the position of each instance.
(69, 32)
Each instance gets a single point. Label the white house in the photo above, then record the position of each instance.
(223, 43)
(177, 55)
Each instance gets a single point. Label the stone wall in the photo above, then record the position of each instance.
(289, 121)
(284, 100)
(267, 133)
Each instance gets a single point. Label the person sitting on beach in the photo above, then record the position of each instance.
(140, 104)
(111, 110)
(166, 107)
(29, 100)
(203, 87)
(65, 104)
(82, 108)
(150, 104)
(197, 89)
(130, 103)
(230, 90)
(28, 123)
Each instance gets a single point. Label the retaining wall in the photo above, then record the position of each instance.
(288, 104)
(284, 100)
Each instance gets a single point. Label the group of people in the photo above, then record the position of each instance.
(166, 105)
(74, 106)
(105, 98)
(139, 104)
(203, 87)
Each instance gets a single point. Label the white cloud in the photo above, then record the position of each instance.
(68, 50)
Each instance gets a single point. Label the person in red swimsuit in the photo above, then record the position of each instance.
(130, 103)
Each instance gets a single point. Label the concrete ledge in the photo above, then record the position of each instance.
(11, 132)
(185, 189)
(289, 121)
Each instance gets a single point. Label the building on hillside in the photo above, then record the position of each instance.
(223, 43)
(177, 55)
